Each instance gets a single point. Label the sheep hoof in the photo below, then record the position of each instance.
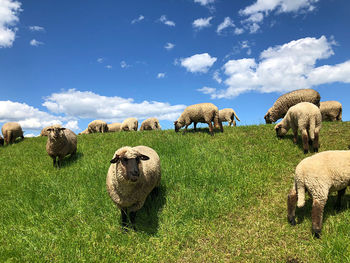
(317, 234)
(292, 221)
(306, 151)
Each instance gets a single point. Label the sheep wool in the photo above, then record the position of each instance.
(11, 131)
(228, 115)
(331, 110)
(114, 127)
(150, 124)
(284, 102)
(44, 131)
(319, 174)
(97, 126)
(130, 124)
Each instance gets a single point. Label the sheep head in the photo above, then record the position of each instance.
(268, 118)
(129, 162)
(55, 132)
(280, 130)
(178, 125)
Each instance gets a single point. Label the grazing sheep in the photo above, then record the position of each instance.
(44, 131)
(284, 102)
(319, 174)
(130, 124)
(134, 172)
(306, 117)
(1, 141)
(11, 131)
(86, 131)
(150, 124)
(97, 126)
(114, 127)
(228, 115)
(60, 142)
(331, 110)
(203, 112)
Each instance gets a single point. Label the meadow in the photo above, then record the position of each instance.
(222, 198)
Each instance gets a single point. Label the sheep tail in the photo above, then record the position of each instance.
(312, 128)
(234, 113)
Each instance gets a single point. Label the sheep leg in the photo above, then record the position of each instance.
(317, 216)
(295, 138)
(305, 141)
(211, 128)
(315, 144)
(221, 128)
(292, 203)
(54, 160)
(132, 219)
(124, 218)
(338, 202)
(194, 126)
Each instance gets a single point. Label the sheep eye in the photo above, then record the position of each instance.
(124, 159)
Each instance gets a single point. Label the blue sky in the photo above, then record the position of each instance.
(75, 61)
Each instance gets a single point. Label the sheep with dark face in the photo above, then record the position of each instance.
(134, 172)
(60, 142)
(11, 131)
(44, 131)
(284, 102)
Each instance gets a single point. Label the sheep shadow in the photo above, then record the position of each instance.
(200, 130)
(69, 160)
(147, 218)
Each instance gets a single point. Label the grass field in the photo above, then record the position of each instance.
(222, 199)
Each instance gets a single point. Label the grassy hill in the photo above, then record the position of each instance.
(222, 198)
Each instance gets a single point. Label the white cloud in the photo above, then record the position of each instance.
(165, 21)
(161, 76)
(216, 76)
(202, 22)
(204, 2)
(245, 45)
(228, 22)
(35, 43)
(262, 8)
(36, 28)
(123, 64)
(198, 63)
(139, 19)
(109, 66)
(100, 60)
(86, 104)
(8, 18)
(29, 135)
(283, 68)
(207, 90)
(169, 46)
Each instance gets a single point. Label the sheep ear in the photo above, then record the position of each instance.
(62, 129)
(115, 159)
(144, 157)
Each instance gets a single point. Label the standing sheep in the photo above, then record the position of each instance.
(150, 124)
(319, 174)
(114, 127)
(306, 117)
(134, 172)
(331, 110)
(130, 124)
(44, 131)
(284, 102)
(11, 131)
(97, 126)
(229, 115)
(203, 112)
(60, 142)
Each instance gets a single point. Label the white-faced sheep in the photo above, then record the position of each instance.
(150, 124)
(284, 102)
(44, 131)
(130, 124)
(202, 112)
(114, 127)
(319, 174)
(97, 126)
(134, 172)
(60, 143)
(11, 131)
(228, 115)
(305, 117)
(331, 110)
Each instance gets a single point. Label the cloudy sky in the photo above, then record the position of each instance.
(71, 62)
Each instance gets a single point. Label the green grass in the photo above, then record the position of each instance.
(222, 199)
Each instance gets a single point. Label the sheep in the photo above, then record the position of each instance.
(331, 110)
(319, 174)
(228, 115)
(11, 131)
(44, 131)
(134, 172)
(306, 117)
(202, 112)
(130, 124)
(97, 126)
(86, 131)
(284, 102)
(114, 127)
(60, 142)
(1, 141)
(150, 124)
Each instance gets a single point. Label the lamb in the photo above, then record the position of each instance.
(331, 110)
(306, 117)
(203, 112)
(284, 102)
(134, 172)
(97, 126)
(130, 124)
(44, 131)
(150, 124)
(228, 115)
(319, 174)
(60, 142)
(11, 131)
(114, 127)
